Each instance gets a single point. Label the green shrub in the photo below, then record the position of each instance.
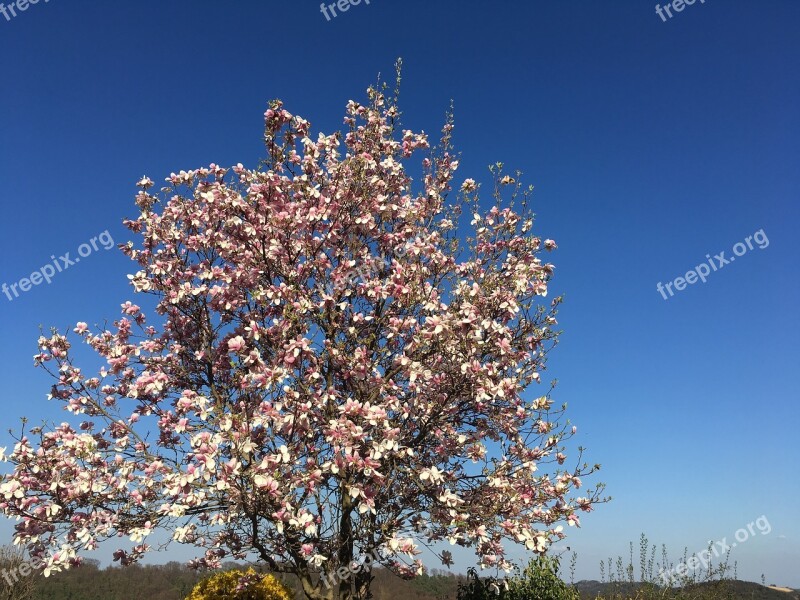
(476, 588)
(539, 580)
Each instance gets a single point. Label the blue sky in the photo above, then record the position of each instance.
(650, 143)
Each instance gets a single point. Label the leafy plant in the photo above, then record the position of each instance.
(476, 588)
(539, 580)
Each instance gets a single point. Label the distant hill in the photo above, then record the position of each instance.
(735, 590)
(174, 581)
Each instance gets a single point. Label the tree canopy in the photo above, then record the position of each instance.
(329, 371)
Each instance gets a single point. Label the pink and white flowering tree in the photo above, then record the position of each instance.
(278, 407)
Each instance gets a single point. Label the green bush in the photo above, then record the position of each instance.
(476, 588)
(538, 581)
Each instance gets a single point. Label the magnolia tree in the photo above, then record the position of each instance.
(328, 374)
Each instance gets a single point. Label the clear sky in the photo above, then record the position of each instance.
(651, 143)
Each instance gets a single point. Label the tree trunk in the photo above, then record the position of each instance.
(363, 585)
(345, 555)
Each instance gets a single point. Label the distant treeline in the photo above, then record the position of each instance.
(174, 581)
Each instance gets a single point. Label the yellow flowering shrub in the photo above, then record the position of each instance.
(222, 586)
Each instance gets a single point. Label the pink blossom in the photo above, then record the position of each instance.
(236, 344)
